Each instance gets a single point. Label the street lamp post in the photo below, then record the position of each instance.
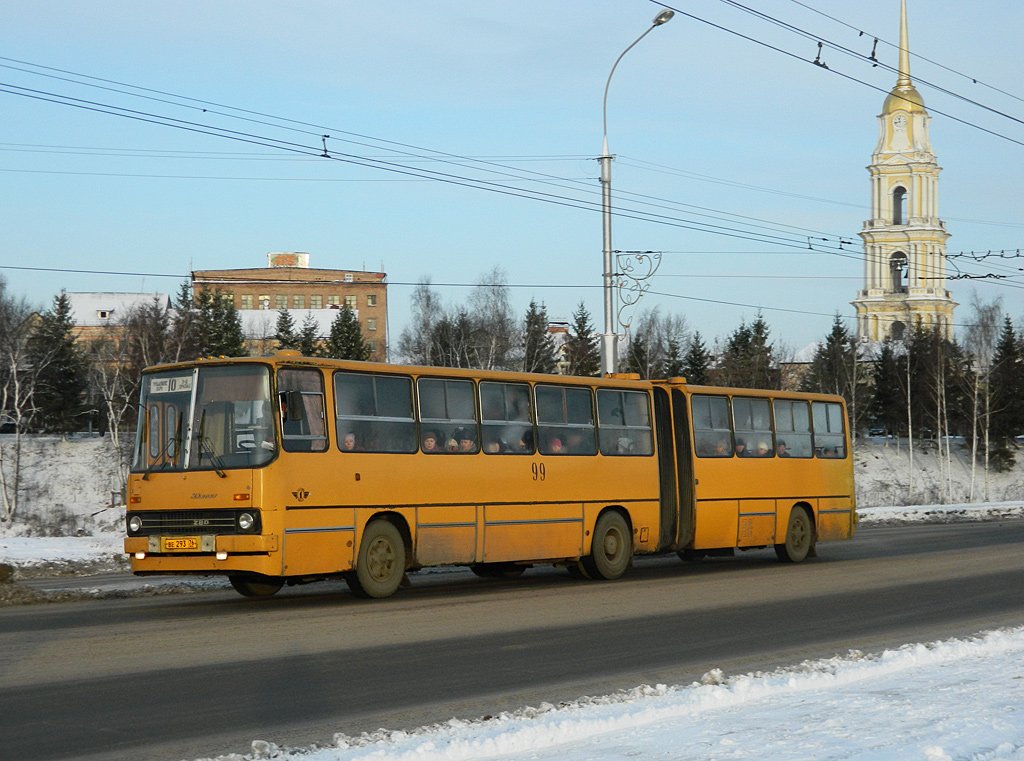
(609, 339)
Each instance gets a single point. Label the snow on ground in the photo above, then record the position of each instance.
(942, 701)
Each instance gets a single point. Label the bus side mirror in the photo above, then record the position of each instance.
(293, 407)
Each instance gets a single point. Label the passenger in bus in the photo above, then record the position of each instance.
(741, 448)
(348, 443)
(430, 442)
(526, 441)
(555, 446)
(494, 446)
(451, 446)
(466, 439)
(574, 444)
(721, 448)
(780, 450)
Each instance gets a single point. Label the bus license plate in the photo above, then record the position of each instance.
(180, 544)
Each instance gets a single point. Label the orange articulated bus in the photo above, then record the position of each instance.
(288, 469)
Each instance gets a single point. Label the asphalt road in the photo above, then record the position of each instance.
(189, 676)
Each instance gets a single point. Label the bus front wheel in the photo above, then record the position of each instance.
(799, 537)
(381, 562)
(611, 549)
(256, 586)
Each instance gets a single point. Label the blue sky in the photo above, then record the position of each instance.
(701, 121)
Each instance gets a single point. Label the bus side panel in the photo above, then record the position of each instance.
(835, 518)
(319, 540)
(446, 535)
(532, 532)
(757, 523)
(717, 524)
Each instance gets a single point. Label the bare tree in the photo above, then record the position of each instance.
(495, 330)
(414, 344)
(16, 391)
(980, 340)
(655, 340)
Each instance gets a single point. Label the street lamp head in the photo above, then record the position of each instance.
(661, 18)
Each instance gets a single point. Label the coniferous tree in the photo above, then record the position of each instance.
(674, 359)
(538, 347)
(309, 337)
(697, 362)
(581, 349)
(345, 341)
(452, 344)
(184, 333)
(639, 357)
(747, 360)
(1007, 381)
(284, 332)
(888, 402)
(60, 370)
(219, 326)
(836, 369)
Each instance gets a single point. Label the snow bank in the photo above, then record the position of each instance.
(66, 487)
(957, 699)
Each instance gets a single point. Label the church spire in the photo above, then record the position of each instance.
(904, 80)
(904, 96)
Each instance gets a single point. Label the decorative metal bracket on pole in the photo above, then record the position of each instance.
(636, 268)
(609, 338)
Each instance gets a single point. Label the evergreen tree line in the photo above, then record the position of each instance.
(923, 387)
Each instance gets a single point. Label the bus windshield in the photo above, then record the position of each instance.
(206, 418)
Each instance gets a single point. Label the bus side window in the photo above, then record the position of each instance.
(506, 419)
(448, 410)
(792, 428)
(565, 420)
(624, 422)
(374, 413)
(753, 427)
(829, 438)
(712, 435)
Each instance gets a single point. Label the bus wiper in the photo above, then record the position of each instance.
(206, 444)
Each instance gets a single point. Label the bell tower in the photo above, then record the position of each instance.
(904, 241)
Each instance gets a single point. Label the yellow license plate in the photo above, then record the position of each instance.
(179, 544)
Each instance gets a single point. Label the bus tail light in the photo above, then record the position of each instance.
(222, 555)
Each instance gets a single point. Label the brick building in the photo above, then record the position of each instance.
(288, 282)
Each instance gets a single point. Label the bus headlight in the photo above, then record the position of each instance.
(246, 521)
(135, 524)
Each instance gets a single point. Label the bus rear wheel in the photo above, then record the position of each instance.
(256, 586)
(380, 566)
(799, 537)
(612, 548)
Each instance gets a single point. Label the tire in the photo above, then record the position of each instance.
(498, 570)
(692, 556)
(799, 537)
(577, 571)
(380, 566)
(612, 548)
(256, 586)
